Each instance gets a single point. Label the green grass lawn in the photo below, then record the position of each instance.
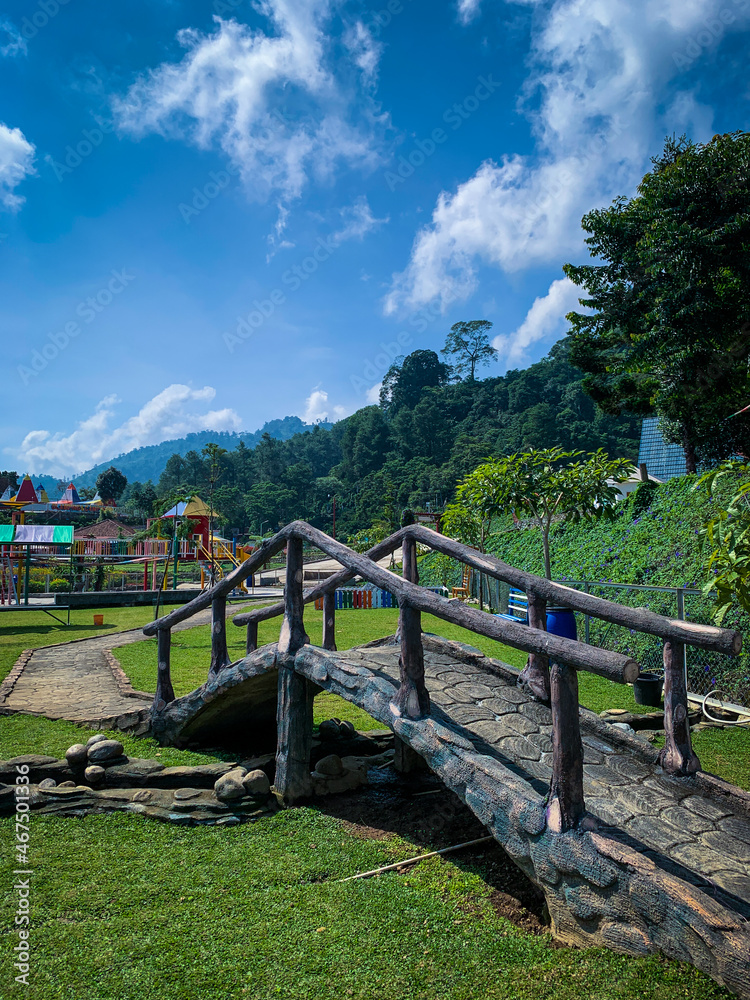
(21, 630)
(123, 908)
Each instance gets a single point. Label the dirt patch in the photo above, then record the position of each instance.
(419, 808)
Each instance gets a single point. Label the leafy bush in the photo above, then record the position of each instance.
(59, 586)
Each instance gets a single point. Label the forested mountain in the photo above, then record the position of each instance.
(427, 433)
(149, 462)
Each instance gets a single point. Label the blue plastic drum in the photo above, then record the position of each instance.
(562, 622)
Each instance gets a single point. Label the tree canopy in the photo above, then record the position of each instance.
(468, 343)
(111, 484)
(669, 330)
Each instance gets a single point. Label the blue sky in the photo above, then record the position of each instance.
(217, 213)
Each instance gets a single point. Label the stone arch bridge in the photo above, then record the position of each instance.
(635, 848)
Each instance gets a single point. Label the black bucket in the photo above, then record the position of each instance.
(647, 690)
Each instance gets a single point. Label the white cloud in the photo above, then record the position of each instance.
(170, 414)
(468, 10)
(373, 394)
(15, 43)
(271, 102)
(358, 221)
(544, 320)
(16, 163)
(601, 94)
(364, 49)
(317, 408)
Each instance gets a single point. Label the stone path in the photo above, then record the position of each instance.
(75, 681)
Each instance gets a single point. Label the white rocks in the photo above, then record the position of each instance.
(48, 783)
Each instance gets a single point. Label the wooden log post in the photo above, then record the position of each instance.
(251, 643)
(329, 620)
(164, 690)
(565, 805)
(535, 675)
(678, 756)
(294, 715)
(219, 652)
(412, 699)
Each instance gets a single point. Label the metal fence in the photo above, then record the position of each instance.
(706, 672)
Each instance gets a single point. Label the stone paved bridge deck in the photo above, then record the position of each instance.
(665, 864)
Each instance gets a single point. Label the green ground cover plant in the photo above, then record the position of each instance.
(127, 909)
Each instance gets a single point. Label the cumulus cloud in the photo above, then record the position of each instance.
(358, 221)
(601, 94)
(271, 102)
(373, 393)
(12, 42)
(317, 408)
(544, 320)
(16, 163)
(172, 413)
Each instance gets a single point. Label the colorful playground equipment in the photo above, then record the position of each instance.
(347, 598)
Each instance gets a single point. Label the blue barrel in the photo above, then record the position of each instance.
(562, 622)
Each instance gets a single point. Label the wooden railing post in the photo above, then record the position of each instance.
(535, 675)
(294, 717)
(565, 806)
(329, 620)
(251, 643)
(678, 756)
(164, 690)
(219, 652)
(412, 699)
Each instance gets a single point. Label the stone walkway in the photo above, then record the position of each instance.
(75, 681)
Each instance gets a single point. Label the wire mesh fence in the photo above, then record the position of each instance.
(707, 672)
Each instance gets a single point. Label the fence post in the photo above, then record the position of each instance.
(219, 652)
(164, 690)
(535, 675)
(294, 716)
(681, 616)
(251, 643)
(565, 805)
(677, 756)
(412, 699)
(587, 620)
(329, 620)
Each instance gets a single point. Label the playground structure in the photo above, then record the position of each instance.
(634, 848)
(159, 555)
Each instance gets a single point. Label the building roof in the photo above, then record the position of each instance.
(108, 528)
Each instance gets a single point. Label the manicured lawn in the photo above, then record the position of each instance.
(123, 908)
(127, 909)
(21, 630)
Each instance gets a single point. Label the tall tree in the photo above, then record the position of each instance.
(669, 330)
(408, 377)
(111, 484)
(468, 342)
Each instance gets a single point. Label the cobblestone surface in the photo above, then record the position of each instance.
(622, 786)
(74, 681)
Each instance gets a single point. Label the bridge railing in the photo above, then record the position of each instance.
(558, 684)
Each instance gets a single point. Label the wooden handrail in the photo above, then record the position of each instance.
(384, 548)
(720, 640)
(727, 641)
(614, 666)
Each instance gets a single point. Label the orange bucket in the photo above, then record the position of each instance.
(98, 619)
